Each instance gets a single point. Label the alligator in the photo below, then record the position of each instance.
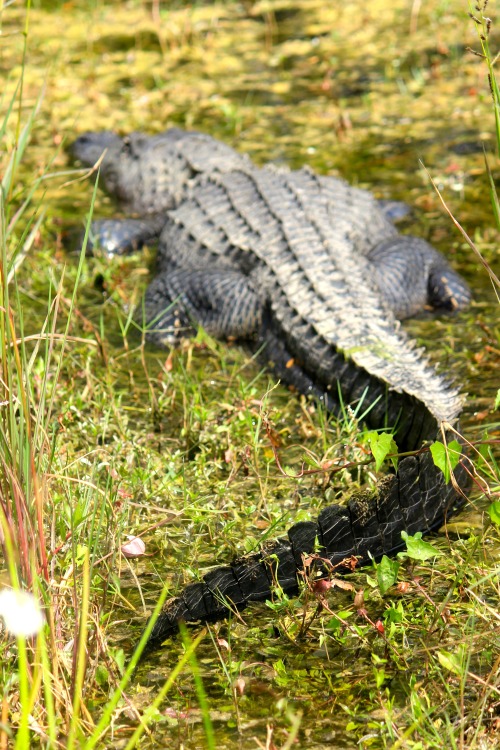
(312, 271)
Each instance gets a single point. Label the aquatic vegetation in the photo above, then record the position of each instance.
(101, 438)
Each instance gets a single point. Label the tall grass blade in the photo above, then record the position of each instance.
(200, 690)
(105, 722)
(82, 622)
(150, 712)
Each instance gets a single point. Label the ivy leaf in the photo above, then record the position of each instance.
(446, 459)
(451, 661)
(393, 614)
(417, 549)
(387, 574)
(81, 551)
(101, 675)
(381, 444)
(494, 512)
(118, 656)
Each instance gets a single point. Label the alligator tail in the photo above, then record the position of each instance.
(369, 526)
(320, 370)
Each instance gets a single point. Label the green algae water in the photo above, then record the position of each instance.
(383, 95)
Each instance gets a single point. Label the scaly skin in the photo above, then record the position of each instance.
(416, 499)
(285, 256)
(314, 273)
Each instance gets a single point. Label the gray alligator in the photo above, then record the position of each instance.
(315, 274)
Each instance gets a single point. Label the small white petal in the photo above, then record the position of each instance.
(21, 612)
(135, 547)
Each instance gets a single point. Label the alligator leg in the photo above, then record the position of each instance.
(124, 236)
(394, 210)
(412, 276)
(227, 305)
(221, 300)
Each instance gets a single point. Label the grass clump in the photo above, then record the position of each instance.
(58, 526)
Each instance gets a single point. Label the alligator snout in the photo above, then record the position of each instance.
(89, 147)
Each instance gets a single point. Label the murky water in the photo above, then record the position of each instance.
(370, 91)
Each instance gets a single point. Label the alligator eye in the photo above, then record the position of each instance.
(127, 145)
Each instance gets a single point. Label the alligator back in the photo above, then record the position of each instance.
(304, 242)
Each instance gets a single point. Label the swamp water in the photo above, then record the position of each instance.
(178, 441)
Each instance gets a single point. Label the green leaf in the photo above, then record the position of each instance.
(497, 400)
(101, 675)
(446, 458)
(417, 549)
(387, 574)
(450, 661)
(344, 614)
(118, 656)
(81, 551)
(494, 512)
(381, 444)
(279, 667)
(380, 676)
(393, 615)
(336, 622)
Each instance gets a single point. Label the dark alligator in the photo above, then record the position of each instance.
(314, 273)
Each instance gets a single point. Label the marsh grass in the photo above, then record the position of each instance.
(198, 453)
(46, 678)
